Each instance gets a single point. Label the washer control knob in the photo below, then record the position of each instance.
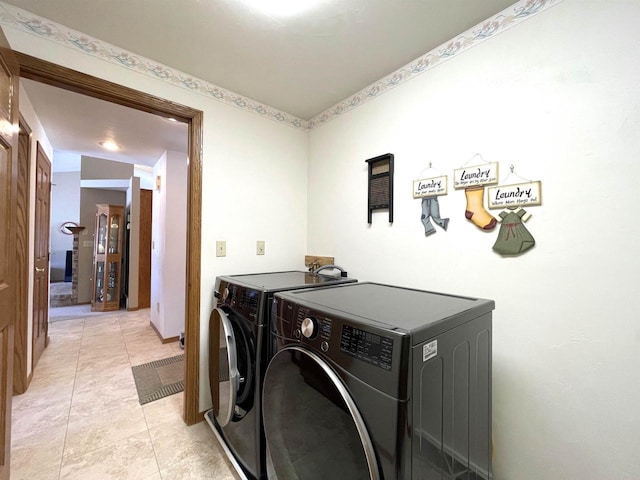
(324, 346)
(309, 327)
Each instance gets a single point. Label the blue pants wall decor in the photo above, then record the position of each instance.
(431, 210)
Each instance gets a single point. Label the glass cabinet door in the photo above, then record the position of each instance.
(108, 257)
(112, 277)
(99, 282)
(101, 240)
(114, 234)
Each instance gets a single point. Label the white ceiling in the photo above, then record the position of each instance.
(75, 124)
(301, 65)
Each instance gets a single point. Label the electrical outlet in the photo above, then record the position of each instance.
(260, 247)
(221, 248)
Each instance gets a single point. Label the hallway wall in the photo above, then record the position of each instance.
(65, 207)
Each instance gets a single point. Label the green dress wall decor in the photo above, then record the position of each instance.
(513, 237)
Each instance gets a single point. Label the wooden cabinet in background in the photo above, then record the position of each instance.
(107, 258)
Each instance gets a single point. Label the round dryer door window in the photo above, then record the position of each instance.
(234, 377)
(312, 426)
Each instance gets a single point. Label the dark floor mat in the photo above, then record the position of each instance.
(159, 379)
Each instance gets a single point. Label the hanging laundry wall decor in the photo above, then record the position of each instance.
(429, 189)
(473, 179)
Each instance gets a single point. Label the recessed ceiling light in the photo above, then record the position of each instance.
(283, 8)
(109, 145)
(171, 119)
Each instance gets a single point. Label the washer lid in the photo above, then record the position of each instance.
(421, 313)
(278, 281)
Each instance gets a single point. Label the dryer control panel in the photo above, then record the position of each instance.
(245, 301)
(366, 351)
(312, 327)
(366, 346)
(359, 343)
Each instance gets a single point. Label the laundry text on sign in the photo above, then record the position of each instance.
(428, 187)
(516, 195)
(485, 174)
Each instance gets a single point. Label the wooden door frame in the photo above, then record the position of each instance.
(58, 76)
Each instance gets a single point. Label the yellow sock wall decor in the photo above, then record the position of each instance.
(475, 209)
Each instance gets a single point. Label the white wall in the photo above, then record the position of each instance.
(557, 97)
(158, 227)
(169, 237)
(37, 135)
(65, 207)
(145, 173)
(175, 243)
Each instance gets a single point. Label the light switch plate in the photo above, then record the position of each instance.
(221, 248)
(260, 247)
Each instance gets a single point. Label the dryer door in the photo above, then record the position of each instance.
(233, 382)
(312, 425)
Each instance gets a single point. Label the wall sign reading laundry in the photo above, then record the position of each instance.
(430, 186)
(485, 174)
(515, 195)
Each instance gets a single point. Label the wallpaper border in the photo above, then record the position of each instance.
(14, 17)
(495, 25)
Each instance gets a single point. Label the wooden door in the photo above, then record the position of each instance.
(41, 256)
(23, 254)
(144, 255)
(8, 225)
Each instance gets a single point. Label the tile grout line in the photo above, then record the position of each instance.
(82, 335)
(80, 331)
(144, 415)
(75, 376)
(84, 323)
(73, 391)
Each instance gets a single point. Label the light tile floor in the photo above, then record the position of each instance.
(81, 419)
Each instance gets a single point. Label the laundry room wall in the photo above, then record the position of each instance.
(555, 96)
(254, 178)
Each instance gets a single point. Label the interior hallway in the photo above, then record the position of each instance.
(80, 417)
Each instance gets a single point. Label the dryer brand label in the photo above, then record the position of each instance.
(429, 350)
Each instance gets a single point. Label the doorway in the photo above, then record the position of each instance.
(58, 76)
